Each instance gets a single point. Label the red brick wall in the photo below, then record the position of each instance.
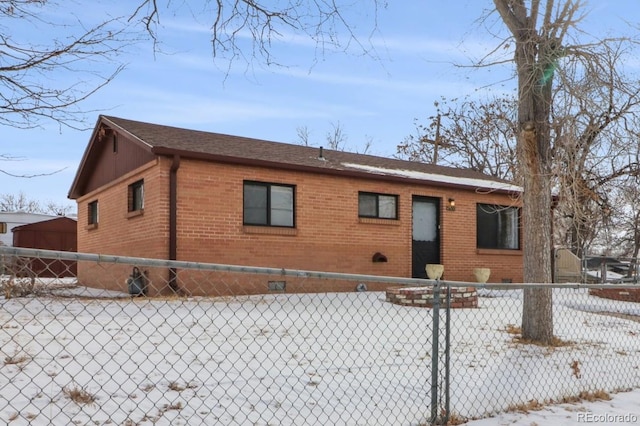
(624, 294)
(328, 235)
(119, 232)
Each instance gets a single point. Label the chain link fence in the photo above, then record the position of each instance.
(133, 341)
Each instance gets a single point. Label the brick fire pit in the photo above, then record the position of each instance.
(461, 297)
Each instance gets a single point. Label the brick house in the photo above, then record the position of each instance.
(155, 191)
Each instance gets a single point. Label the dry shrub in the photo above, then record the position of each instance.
(525, 407)
(598, 395)
(22, 279)
(177, 387)
(456, 419)
(15, 359)
(513, 329)
(575, 367)
(18, 287)
(516, 332)
(79, 395)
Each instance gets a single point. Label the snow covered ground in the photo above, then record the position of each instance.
(338, 358)
(622, 408)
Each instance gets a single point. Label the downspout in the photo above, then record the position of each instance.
(173, 221)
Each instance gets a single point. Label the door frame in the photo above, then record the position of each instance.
(438, 203)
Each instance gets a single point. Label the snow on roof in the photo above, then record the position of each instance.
(433, 177)
(610, 275)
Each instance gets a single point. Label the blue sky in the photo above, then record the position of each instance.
(419, 46)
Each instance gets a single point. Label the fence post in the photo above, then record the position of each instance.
(447, 365)
(434, 352)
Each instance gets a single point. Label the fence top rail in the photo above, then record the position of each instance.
(298, 273)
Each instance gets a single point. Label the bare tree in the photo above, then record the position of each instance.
(247, 29)
(618, 233)
(239, 29)
(304, 136)
(58, 209)
(544, 53)
(29, 92)
(626, 220)
(593, 117)
(20, 202)
(336, 139)
(429, 145)
(539, 35)
(478, 135)
(593, 138)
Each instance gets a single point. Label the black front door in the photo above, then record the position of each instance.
(425, 245)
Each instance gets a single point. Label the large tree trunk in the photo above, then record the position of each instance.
(535, 57)
(535, 167)
(537, 313)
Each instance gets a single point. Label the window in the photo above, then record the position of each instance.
(379, 206)
(268, 204)
(93, 213)
(498, 227)
(136, 196)
(3, 227)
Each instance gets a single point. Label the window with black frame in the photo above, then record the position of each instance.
(136, 196)
(269, 204)
(378, 206)
(92, 213)
(498, 227)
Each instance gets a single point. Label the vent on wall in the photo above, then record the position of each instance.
(378, 257)
(277, 285)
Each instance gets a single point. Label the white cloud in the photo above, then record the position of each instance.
(168, 106)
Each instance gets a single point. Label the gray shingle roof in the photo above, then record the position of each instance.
(167, 140)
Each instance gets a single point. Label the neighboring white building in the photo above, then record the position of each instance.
(9, 220)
